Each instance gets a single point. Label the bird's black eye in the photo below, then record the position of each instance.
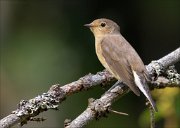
(103, 24)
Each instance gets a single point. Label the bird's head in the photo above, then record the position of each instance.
(103, 26)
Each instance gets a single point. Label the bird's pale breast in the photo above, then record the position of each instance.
(100, 56)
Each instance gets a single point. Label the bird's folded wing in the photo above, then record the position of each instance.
(115, 52)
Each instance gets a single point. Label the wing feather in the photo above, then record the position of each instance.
(119, 55)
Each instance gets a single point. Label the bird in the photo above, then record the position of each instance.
(118, 56)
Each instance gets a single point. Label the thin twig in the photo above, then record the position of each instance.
(120, 113)
(152, 118)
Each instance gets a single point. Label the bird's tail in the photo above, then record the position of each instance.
(142, 85)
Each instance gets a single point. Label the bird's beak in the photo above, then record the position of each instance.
(89, 25)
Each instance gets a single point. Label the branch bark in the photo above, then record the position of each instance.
(56, 94)
(98, 108)
(50, 100)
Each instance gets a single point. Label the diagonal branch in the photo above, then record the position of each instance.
(50, 100)
(98, 108)
(165, 61)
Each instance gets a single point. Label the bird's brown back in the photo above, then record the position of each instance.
(121, 59)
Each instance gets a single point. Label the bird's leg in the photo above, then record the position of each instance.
(118, 83)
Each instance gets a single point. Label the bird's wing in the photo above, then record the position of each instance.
(126, 64)
(117, 53)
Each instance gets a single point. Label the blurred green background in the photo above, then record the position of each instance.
(44, 42)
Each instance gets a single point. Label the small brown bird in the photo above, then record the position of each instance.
(119, 57)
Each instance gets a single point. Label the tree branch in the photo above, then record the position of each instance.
(165, 61)
(50, 100)
(98, 108)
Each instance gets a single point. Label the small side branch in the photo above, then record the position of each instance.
(152, 118)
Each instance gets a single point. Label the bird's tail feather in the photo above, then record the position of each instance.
(142, 85)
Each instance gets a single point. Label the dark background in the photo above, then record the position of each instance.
(44, 42)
